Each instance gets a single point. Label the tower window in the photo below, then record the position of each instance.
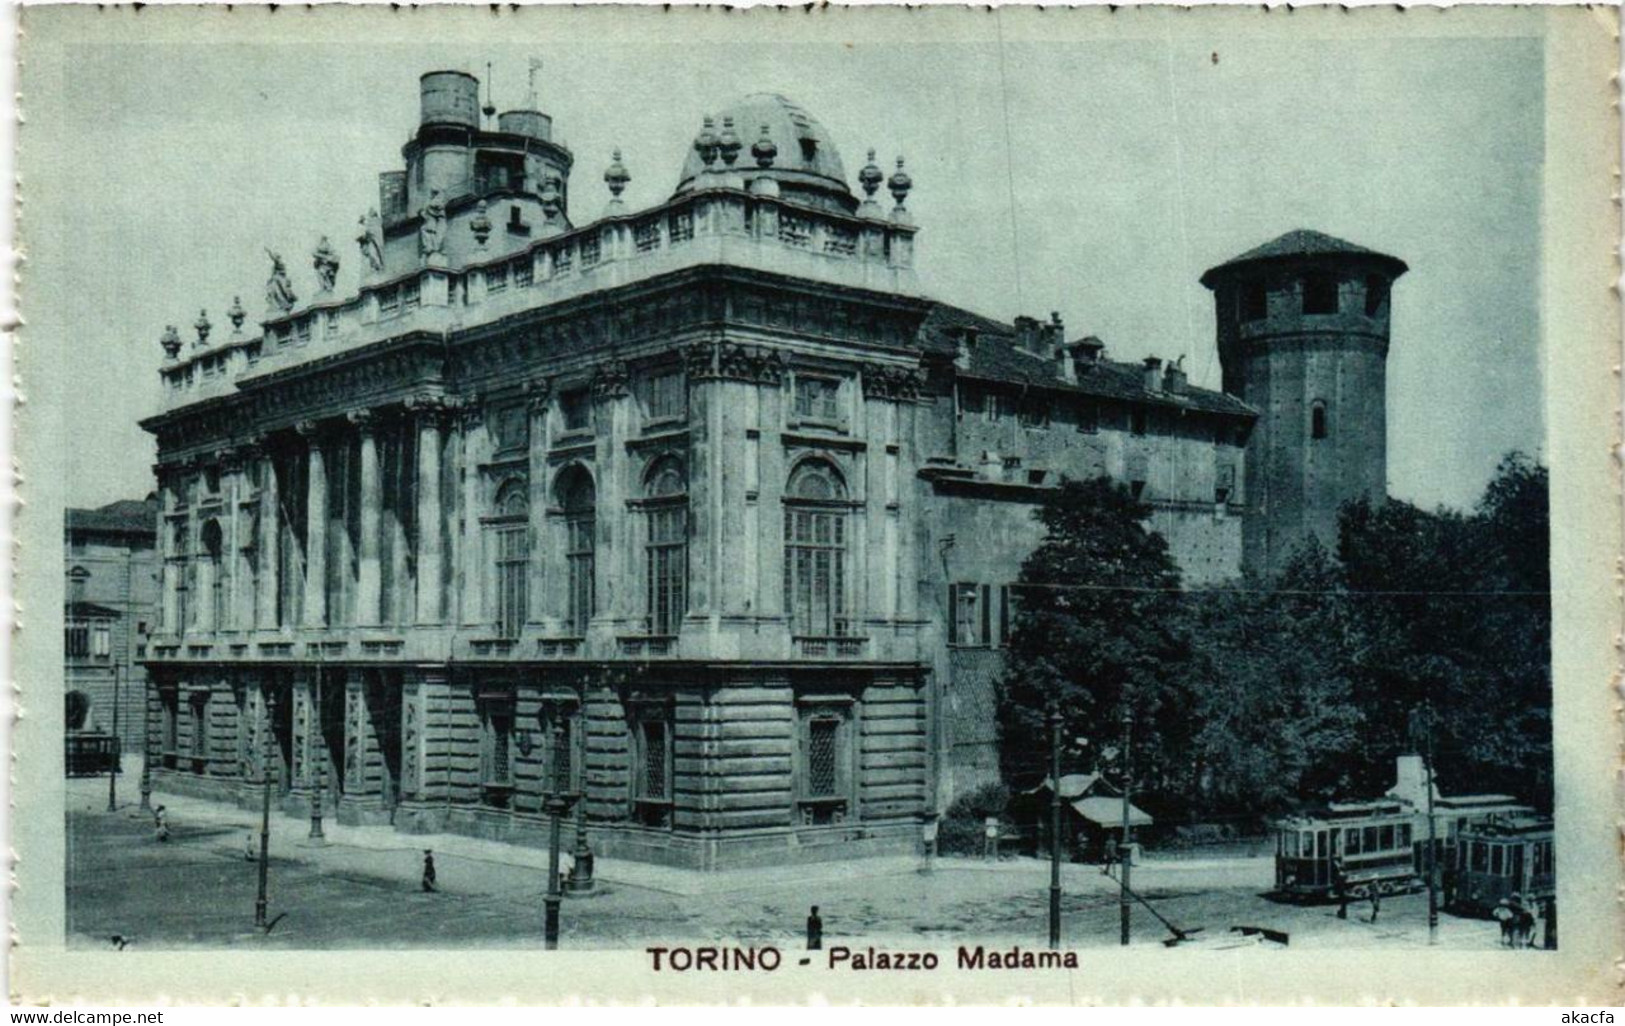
(809, 149)
(1317, 420)
(1376, 294)
(1254, 301)
(1319, 294)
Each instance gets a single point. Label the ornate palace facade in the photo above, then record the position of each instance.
(702, 512)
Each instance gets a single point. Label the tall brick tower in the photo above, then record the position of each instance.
(1303, 338)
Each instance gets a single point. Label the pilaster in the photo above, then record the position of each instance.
(369, 581)
(315, 583)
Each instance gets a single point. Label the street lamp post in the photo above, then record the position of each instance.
(1054, 719)
(319, 730)
(118, 750)
(557, 804)
(1124, 909)
(1433, 841)
(581, 875)
(146, 746)
(260, 901)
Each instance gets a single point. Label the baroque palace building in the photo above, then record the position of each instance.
(701, 512)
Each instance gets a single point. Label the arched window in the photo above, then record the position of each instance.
(1317, 420)
(815, 550)
(510, 554)
(577, 498)
(666, 549)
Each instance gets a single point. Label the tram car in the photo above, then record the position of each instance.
(1382, 843)
(1501, 856)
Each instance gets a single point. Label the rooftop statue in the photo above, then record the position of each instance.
(371, 240)
(326, 263)
(279, 295)
(432, 232)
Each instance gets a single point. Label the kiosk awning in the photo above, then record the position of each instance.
(1108, 812)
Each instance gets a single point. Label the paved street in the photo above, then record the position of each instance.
(361, 890)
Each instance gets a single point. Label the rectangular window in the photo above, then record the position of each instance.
(840, 241)
(575, 409)
(1370, 839)
(510, 429)
(824, 784)
(524, 273)
(411, 295)
(77, 640)
(496, 279)
(513, 566)
(815, 572)
(667, 570)
(562, 259)
(818, 399)
(1387, 838)
(302, 330)
(592, 250)
(965, 614)
(652, 766)
(681, 226)
(1033, 413)
(821, 757)
(389, 301)
(580, 559)
(200, 727)
(1376, 295)
(101, 643)
(794, 231)
(1009, 611)
(332, 324)
(496, 767)
(646, 236)
(1319, 294)
(665, 396)
(1351, 841)
(1224, 483)
(1088, 418)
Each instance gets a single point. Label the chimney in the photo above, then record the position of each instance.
(1065, 369)
(1173, 380)
(1085, 352)
(1153, 374)
(1051, 336)
(1027, 333)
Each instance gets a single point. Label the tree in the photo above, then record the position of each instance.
(1098, 628)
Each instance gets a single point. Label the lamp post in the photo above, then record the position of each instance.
(146, 745)
(1124, 909)
(1054, 720)
(118, 750)
(266, 728)
(319, 731)
(581, 877)
(556, 804)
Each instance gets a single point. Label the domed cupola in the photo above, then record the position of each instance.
(805, 163)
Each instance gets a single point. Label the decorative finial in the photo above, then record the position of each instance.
(900, 184)
(763, 150)
(326, 263)
(480, 224)
(171, 341)
(616, 177)
(202, 327)
(728, 142)
(871, 176)
(236, 314)
(706, 142)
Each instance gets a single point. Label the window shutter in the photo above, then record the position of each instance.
(953, 614)
(987, 614)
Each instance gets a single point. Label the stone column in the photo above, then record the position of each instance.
(270, 542)
(315, 584)
(612, 394)
(369, 582)
(430, 609)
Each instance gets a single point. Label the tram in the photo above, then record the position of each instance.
(1383, 843)
(1501, 856)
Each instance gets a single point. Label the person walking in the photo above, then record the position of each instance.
(1503, 914)
(815, 931)
(249, 852)
(160, 824)
(429, 877)
(1111, 856)
(1376, 900)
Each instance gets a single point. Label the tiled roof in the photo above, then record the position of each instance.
(1302, 242)
(126, 516)
(995, 357)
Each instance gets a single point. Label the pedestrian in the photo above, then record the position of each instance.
(815, 931)
(1111, 856)
(160, 824)
(1503, 914)
(1340, 887)
(249, 854)
(1523, 923)
(1376, 901)
(428, 871)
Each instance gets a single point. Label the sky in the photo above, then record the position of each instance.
(1095, 178)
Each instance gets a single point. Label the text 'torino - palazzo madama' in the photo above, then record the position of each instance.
(702, 512)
